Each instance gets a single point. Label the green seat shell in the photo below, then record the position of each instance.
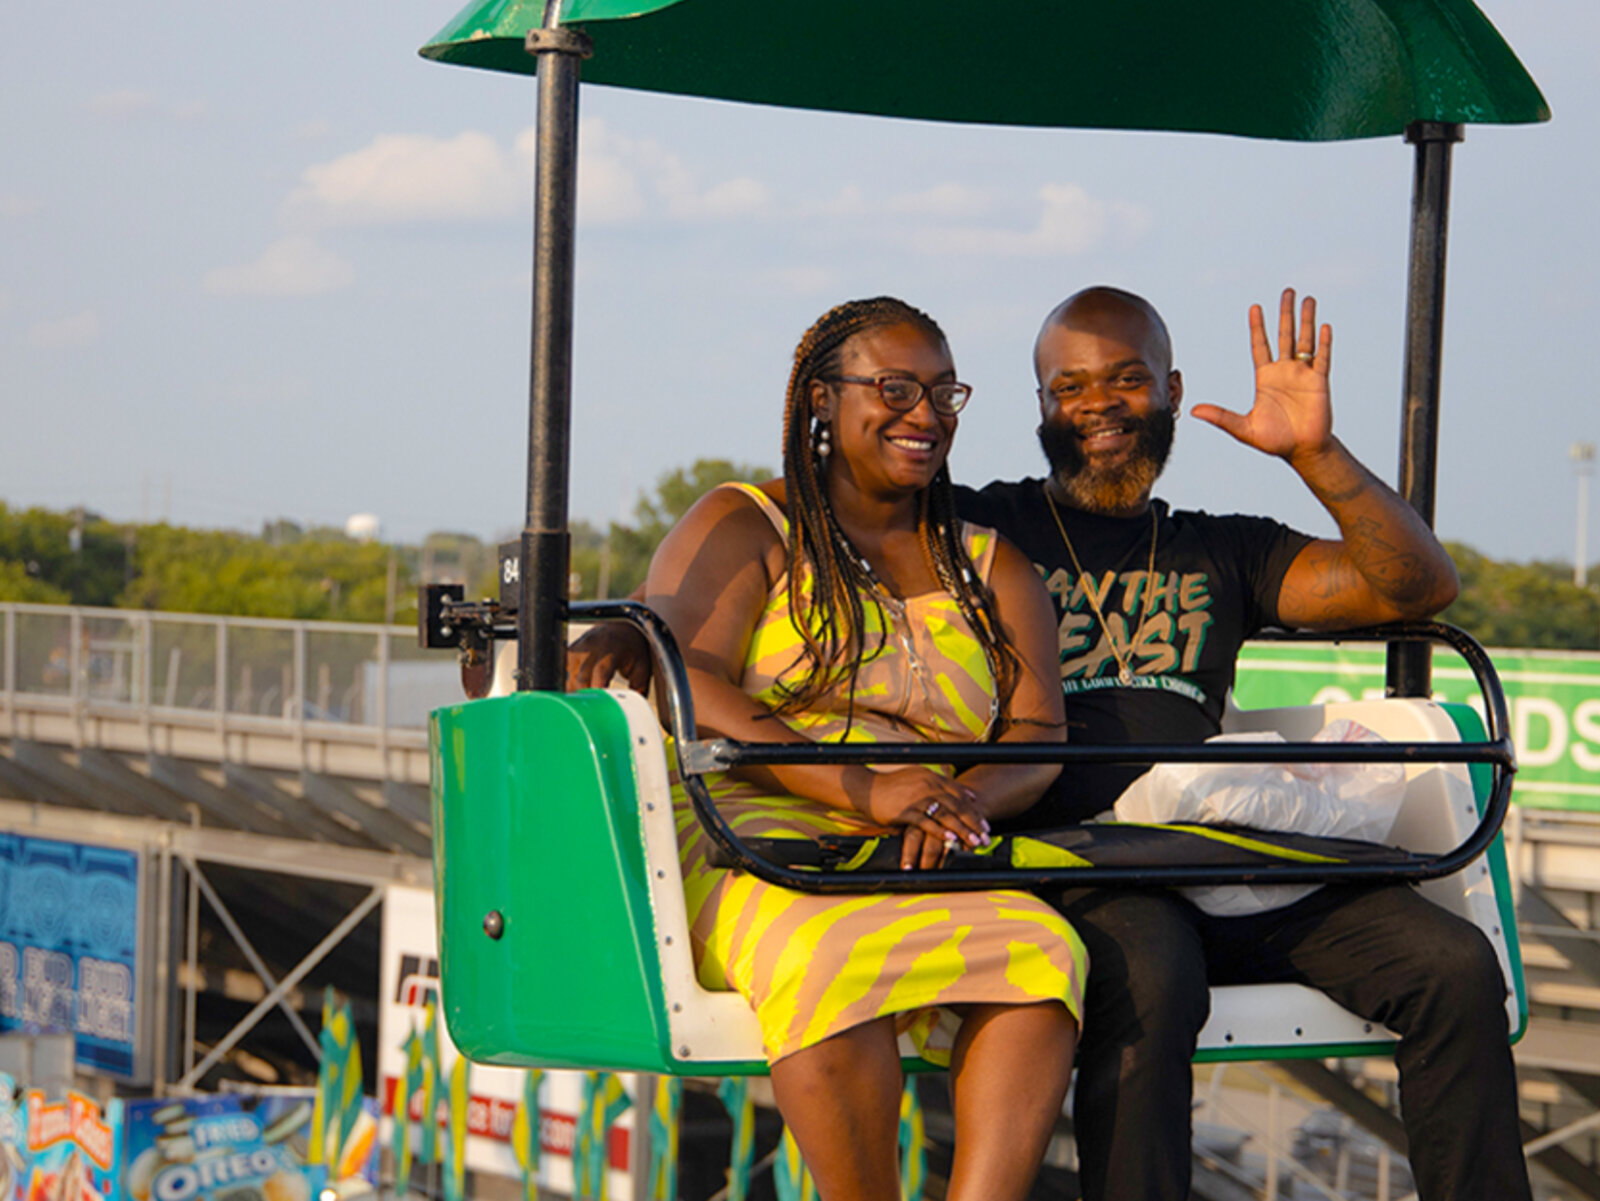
(564, 940)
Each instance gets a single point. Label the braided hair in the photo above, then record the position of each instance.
(831, 620)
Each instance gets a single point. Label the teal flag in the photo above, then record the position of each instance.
(455, 1146)
(735, 1094)
(913, 1145)
(604, 1100)
(664, 1115)
(405, 1089)
(790, 1175)
(335, 1041)
(525, 1133)
(428, 1144)
(349, 1082)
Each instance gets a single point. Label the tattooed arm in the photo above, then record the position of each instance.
(1388, 565)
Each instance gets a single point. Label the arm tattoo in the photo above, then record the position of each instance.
(1398, 575)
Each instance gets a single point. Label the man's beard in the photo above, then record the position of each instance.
(1108, 490)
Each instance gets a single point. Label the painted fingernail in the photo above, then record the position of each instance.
(975, 840)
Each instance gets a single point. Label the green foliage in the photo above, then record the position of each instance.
(318, 574)
(614, 564)
(17, 585)
(75, 557)
(1532, 605)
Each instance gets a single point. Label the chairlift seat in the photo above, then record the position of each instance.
(563, 932)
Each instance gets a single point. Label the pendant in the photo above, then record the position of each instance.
(1124, 675)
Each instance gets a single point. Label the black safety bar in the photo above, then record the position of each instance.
(696, 758)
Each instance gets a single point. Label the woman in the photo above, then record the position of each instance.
(847, 602)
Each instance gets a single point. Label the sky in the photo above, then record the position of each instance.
(263, 261)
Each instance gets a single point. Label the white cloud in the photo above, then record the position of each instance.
(404, 178)
(409, 178)
(292, 266)
(130, 104)
(848, 201)
(313, 130)
(122, 104)
(15, 204)
(950, 200)
(623, 179)
(609, 190)
(1070, 221)
(68, 333)
(801, 281)
(733, 198)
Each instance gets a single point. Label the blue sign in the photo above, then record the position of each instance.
(234, 1147)
(69, 943)
(201, 1148)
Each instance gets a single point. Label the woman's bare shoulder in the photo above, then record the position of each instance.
(723, 529)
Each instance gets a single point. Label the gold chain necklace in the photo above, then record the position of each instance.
(1124, 668)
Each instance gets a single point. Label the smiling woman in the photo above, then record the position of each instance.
(847, 603)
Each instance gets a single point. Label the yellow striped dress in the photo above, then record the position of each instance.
(813, 966)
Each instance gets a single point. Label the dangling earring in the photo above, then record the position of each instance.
(822, 441)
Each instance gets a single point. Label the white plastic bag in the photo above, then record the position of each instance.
(1334, 800)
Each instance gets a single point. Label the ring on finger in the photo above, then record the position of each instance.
(1305, 356)
(933, 807)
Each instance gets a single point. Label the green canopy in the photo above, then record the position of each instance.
(1306, 70)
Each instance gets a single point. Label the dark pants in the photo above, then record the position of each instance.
(1385, 954)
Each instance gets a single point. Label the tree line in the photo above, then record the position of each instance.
(319, 573)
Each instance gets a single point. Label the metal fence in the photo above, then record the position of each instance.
(194, 668)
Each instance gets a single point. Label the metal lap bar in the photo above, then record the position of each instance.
(695, 758)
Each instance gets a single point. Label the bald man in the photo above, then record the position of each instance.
(1145, 661)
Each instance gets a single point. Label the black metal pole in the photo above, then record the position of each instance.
(1410, 664)
(545, 545)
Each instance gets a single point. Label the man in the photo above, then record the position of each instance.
(1153, 662)
(1153, 605)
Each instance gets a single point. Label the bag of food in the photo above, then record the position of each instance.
(1335, 800)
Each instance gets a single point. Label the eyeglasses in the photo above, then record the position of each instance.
(902, 394)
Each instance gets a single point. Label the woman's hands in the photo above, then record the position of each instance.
(936, 812)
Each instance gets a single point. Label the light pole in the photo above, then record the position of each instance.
(1582, 455)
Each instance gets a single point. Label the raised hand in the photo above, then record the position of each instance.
(1293, 412)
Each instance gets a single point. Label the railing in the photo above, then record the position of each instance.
(304, 681)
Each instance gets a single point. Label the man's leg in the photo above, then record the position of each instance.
(1391, 957)
(1144, 1003)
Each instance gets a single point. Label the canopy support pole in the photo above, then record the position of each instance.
(1410, 664)
(546, 543)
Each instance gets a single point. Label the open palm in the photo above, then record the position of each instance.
(1293, 410)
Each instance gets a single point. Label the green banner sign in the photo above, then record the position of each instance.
(1554, 698)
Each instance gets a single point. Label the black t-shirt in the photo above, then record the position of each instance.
(1217, 581)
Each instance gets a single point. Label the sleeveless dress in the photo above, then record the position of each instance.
(814, 966)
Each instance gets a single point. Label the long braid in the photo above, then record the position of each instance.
(830, 618)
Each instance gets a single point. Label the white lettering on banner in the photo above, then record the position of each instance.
(8, 981)
(1523, 711)
(182, 1181)
(220, 1131)
(105, 1000)
(47, 988)
(1586, 719)
(1585, 723)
